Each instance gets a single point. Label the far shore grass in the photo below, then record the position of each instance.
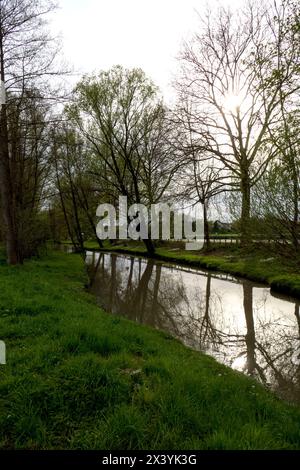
(79, 378)
(256, 263)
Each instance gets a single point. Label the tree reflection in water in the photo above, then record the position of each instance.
(238, 322)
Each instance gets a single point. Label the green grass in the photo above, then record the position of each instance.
(256, 263)
(78, 378)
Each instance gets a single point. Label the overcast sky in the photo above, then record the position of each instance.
(97, 34)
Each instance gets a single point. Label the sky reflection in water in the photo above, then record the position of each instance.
(238, 322)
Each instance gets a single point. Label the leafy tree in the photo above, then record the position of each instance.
(121, 115)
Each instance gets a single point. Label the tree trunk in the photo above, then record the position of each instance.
(206, 226)
(7, 199)
(85, 206)
(7, 196)
(150, 247)
(99, 241)
(245, 215)
(295, 222)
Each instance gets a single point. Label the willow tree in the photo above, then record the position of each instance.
(121, 115)
(236, 71)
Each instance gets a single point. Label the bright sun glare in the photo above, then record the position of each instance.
(232, 102)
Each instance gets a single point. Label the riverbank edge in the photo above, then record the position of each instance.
(287, 283)
(65, 353)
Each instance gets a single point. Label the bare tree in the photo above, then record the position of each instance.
(237, 71)
(29, 159)
(201, 177)
(26, 56)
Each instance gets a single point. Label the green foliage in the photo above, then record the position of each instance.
(121, 114)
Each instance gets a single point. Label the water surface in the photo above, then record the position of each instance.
(240, 323)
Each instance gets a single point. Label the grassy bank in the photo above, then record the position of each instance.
(77, 377)
(257, 264)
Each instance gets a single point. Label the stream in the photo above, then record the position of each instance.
(240, 323)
